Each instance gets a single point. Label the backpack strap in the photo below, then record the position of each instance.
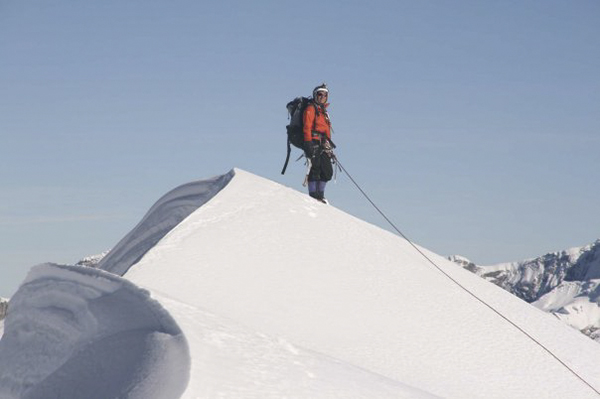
(287, 158)
(314, 126)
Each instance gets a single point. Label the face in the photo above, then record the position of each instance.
(321, 97)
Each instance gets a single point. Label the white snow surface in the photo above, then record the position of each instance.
(259, 291)
(279, 263)
(75, 332)
(574, 302)
(232, 361)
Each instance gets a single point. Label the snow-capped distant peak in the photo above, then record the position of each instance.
(564, 283)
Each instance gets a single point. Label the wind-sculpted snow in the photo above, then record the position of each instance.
(76, 332)
(278, 295)
(276, 261)
(167, 213)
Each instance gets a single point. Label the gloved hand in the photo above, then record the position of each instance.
(308, 150)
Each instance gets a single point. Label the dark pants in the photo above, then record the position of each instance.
(321, 169)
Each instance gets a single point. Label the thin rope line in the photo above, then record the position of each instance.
(460, 285)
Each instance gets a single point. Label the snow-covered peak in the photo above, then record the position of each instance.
(281, 264)
(532, 278)
(564, 283)
(278, 295)
(586, 263)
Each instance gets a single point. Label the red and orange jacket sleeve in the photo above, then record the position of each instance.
(321, 124)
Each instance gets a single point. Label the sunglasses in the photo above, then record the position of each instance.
(321, 94)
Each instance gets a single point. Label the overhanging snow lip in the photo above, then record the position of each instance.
(78, 332)
(170, 210)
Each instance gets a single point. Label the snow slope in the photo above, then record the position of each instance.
(278, 295)
(281, 264)
(232, 361)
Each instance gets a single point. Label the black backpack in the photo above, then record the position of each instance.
(295, 133)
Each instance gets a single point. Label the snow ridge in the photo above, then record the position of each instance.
(167, 213)
(263, 292)
(76, 332)
(278, 262)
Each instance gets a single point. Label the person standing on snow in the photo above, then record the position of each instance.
(317, 142)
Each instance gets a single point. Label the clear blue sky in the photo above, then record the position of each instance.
(474, 124)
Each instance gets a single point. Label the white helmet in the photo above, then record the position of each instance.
(317, 89)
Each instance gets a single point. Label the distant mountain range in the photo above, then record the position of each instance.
(565, 284)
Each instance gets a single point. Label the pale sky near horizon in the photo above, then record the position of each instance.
(474, 125)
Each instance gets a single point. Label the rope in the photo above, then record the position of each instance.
(497, 312)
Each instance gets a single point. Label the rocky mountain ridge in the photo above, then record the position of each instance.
(564, 283)
(3, 308)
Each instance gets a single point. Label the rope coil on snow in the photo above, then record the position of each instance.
(497, 312)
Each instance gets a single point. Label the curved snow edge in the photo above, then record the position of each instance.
(170, 210)
(75, 332)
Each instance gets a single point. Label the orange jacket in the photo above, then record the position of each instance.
(322, 124)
